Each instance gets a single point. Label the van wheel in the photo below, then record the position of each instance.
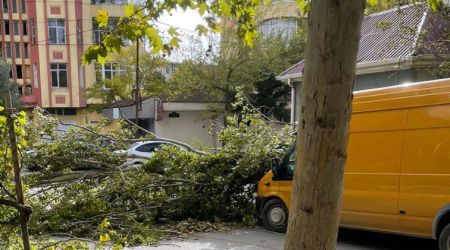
(275, 216)
(444, 239)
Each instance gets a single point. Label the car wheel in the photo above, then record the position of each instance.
(444, 239)
(275, 216)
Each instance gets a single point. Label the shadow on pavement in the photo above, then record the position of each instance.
(382, 241)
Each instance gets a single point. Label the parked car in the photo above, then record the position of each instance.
(139, 152)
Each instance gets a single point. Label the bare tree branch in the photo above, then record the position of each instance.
(27, 209)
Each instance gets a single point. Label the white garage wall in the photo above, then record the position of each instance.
(186, 127)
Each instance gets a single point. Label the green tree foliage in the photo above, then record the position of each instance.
(139, 23)
(7, 186)
(121, 87)
(271, 97)
(6, 84)
(227, 63)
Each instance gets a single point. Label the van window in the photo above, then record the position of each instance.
(288, 163)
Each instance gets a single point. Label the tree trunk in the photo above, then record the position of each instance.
(333, 37)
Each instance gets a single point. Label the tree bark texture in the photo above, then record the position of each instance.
(333, 38)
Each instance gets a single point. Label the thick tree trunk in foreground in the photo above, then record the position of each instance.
(333, 37)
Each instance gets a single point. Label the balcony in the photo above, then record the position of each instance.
(29, 101)
(108, 2)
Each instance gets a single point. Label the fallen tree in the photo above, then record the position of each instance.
(83, 182)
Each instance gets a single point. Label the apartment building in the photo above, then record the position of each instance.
(279, 17)
(44, 40)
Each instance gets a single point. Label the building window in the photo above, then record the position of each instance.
(17, 49)
(62, 111)
(24, 6)
(24, 28)
(16, 27)
(11, 73)
(20, 90)
(98, 33)
(19, 72)
(14, 6)
(108, 70)
(56, 31)
(108, 1)
(81, 75)
(29, 89)
(35, 76)
(33, 32)
(1, 50)
(26, 50)
(79, 32)
(93, 122)
(286, 27)
(8, 49)
(59, 75)
(7, 28)
(168, 70)
(5, 6)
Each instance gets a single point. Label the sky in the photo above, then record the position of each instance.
(186, 21)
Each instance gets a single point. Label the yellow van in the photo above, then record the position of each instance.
(397, 178)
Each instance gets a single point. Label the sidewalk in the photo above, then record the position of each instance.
(261, 239)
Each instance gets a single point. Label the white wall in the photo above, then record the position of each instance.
(186, 127)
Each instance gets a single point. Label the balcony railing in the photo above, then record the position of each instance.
(108, 1)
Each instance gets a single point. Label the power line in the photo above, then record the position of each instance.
(45, 40)
(82, 19)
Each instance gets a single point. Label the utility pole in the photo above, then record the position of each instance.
(137, 99)
(23, 220)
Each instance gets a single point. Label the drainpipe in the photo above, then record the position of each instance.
(293, 100)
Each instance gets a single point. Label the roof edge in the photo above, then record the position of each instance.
(380, 66)
(395, 9)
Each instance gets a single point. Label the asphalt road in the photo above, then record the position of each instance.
(260, 239)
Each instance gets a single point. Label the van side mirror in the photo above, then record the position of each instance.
(275, 166)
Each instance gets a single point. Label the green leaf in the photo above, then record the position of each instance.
(90, 54)
(225, 8)
(174, 42)
(173, 32)
(305, 7)
(202, 30)
(373, 2)
(101, 60)
(434, 4)
(202, 8)
(248, 38)
(102, 18)
(129, 10)
(151, 32)
(157, 44)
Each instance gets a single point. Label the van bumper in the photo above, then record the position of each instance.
(259, 203)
